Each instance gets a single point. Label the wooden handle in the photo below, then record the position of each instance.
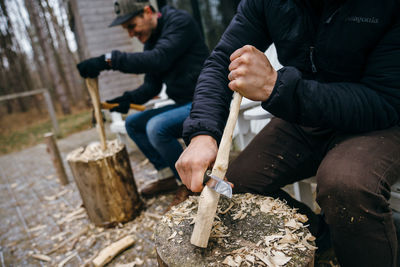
(105, 105)
(209, 198)
(93, 87)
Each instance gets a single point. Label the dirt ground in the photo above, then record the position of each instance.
(42, 223)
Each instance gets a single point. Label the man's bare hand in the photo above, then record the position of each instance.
(195, 160)
(251, 73)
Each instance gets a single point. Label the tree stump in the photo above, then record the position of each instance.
(249, 230)
(106, 183)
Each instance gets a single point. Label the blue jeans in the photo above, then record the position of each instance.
(156, 131)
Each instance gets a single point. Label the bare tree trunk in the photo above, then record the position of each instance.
(42, 35)
(42, 70)
(67, 57)
(56, 52)
(11, 68)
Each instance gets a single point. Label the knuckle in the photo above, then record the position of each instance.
(247, 47)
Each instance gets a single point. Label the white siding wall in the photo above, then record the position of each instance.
(92, 18)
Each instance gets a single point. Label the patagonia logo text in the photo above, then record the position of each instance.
(356, 19)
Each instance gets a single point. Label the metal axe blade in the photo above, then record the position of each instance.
(220, 186)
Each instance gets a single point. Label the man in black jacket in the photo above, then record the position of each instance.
(174, 52)
(337, 107)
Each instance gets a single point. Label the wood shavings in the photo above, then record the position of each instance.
(54, 197)
(280, 258)
(77, 214)
(172, 235)
(264, 258)
(136, 262)
(230, 261)
(41, 257)
(37, 228)
(153, 215)
(93, 151)
(274, 250)
(71, 238)
(67, 259)
(225, 211)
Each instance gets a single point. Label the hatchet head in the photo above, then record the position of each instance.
(217, 184)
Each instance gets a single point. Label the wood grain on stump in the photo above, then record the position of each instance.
(249, 230)
(106, 183)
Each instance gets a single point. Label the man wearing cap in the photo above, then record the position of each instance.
(174, 52)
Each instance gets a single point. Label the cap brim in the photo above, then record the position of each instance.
(120, 20)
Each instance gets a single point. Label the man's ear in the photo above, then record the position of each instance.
(147, 10)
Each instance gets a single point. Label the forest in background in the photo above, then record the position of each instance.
(35, 53)
(38, 49)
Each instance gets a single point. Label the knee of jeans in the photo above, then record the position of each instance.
(130, 124)
(155, 132)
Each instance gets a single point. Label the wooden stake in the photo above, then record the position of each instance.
(209, 198)
(93, 87)
(52, 148)
(108, 253)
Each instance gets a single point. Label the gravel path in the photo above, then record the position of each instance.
(39, 218)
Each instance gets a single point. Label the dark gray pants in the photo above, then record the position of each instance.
(354, 175)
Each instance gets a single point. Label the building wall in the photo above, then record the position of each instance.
(94, 37)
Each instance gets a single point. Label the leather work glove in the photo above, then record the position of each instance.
(90, 68)
(123, 101)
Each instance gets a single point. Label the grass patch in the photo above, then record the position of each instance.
(22, 130)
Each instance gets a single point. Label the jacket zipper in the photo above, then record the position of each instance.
(312, 47)
(313, 67)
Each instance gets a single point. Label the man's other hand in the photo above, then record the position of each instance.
(251, 73)
(123, 103)
(90, 68)
(195, 160)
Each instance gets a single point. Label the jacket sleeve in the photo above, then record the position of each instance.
(176, 37)
(212, 96)
(150, 88)
(371, 104)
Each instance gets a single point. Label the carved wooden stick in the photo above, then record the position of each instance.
(209, 198)
(93, 87)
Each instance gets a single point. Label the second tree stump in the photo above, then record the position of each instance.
(106, 183)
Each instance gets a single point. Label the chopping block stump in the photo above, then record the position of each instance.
(106, 183)
(248, 230)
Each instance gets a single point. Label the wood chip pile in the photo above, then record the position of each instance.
(249, 230)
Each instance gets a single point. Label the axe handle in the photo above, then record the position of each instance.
(93, 87)
(208, 200)
(105, 105)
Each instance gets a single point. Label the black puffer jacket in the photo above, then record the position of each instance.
(174, 54)
(342, 69)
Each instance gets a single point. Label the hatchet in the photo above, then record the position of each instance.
(208, 199)
(105, 105)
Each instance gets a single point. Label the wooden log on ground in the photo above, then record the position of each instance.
(248, 230)
(108, 253)
(52, 148)
(106, 183)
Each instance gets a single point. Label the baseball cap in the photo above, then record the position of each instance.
(127, 9)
